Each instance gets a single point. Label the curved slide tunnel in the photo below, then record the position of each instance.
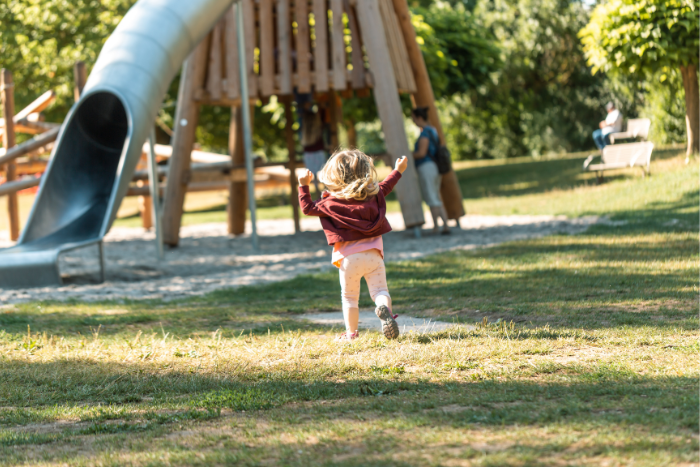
(102, 137)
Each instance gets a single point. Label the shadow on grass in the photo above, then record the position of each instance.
(120, 404)
(30, 388)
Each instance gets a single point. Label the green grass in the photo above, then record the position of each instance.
(585, 352)
(554, 186)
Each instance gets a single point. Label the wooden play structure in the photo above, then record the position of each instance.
(324, 47)
(333, 49)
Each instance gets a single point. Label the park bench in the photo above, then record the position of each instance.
(620, 156)
(636, 128)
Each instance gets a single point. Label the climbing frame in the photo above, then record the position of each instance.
(312, 46)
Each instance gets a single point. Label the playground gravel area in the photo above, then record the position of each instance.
(208, 259)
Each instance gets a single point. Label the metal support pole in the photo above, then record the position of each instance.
(245, 109)
(155, 192)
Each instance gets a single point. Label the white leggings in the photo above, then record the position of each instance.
(370, 265)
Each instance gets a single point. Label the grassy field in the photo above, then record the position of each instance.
(585, 352)
(517, 186)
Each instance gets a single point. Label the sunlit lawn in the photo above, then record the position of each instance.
(585, 353)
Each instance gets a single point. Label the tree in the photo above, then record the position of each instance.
(540, 98)
(644, 37)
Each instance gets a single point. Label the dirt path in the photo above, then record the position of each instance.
(208, 259)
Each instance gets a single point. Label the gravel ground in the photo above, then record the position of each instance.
(208, 259)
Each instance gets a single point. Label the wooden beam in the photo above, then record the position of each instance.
(284, 47)
(11, 188)
(237, 191)
(301, 15)
(320, 10)
(358, 60)
(8, 140)
(145, 206)
(397, 48)
(338, 46)
(79, 79)
(29, 146)
(233, 87)
(186, 118)
(39, 104)
(267, 49)
(215, 68)
(424, 97)
(291, 150)
(23, 119)
(334, 110)
(386, 95)
(250, 44)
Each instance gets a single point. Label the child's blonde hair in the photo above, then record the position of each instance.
(350, 174)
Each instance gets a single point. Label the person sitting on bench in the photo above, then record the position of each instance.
(611, 124)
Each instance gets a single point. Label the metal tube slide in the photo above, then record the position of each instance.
(102, 137)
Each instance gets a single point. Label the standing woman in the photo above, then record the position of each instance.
(424, 154)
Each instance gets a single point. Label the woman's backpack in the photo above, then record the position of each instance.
(442, 156)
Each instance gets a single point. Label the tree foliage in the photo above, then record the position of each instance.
(542, 99)
(637, 36)
(649, 38)
(459, 52)
(40, 41)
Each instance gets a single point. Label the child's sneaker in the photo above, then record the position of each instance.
(389, 326)
(348, 336)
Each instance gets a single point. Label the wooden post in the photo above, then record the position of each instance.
(145, 207)
(8, 140)
(352, 133)
(80, 78)
(424, 97)
(291, 149)
(334, 109)
(386, 95)
(186, 117)
(237, 192)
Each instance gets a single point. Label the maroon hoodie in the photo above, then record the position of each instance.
(345, 220)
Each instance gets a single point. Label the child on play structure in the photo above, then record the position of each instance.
(353, 216)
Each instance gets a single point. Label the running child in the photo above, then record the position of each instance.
(353, 216)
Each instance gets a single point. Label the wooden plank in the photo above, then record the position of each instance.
(397, 47)
(39, 104)
(186, 117)
(301, 16)
(291, 150)
(79, 79)
(391, 43)
(320, 9)
(424, 97)
(389, 107)
(358, 61)
(8, 141)
(338, 46)
(233, 86)
(404, 59)
(284, 47)
(215, 66)
(250, 44)
(267, 49)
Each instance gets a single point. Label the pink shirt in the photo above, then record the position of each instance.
(342, 250)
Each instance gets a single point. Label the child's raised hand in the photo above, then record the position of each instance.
(306, 178)
(401, 164)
